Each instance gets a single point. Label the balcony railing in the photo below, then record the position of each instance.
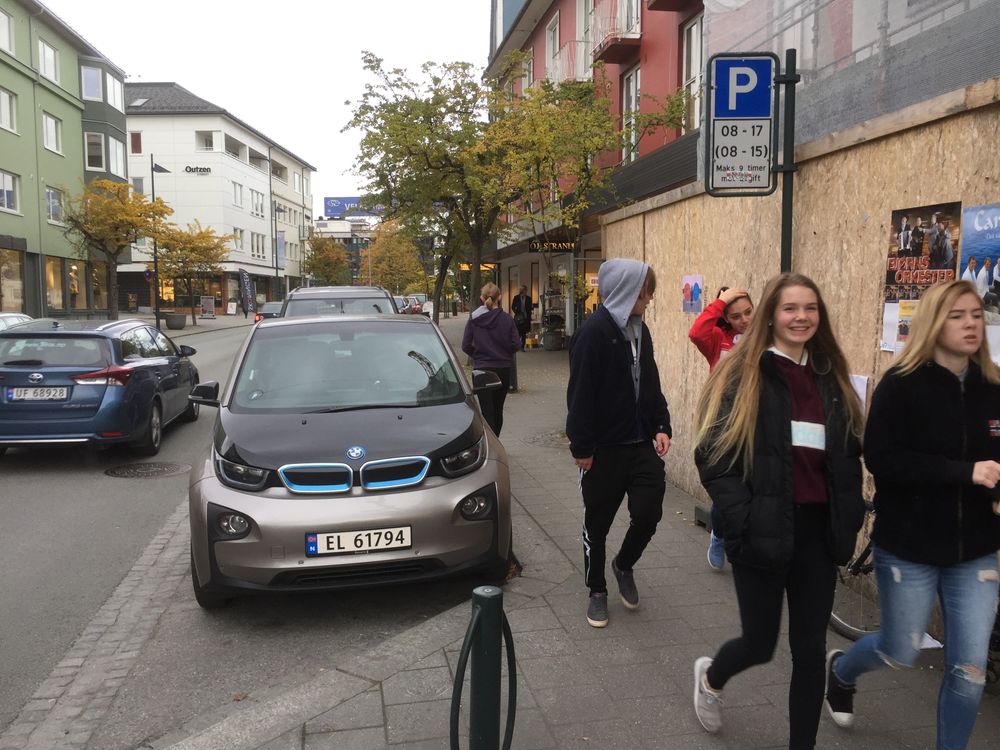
(617, 30)
(572, 62)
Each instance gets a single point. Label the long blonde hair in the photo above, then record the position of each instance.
(925, 328)
(728, 406)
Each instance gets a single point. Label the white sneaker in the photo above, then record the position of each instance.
(707, 702)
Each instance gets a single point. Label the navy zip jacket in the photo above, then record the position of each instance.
(603, 409)
(925, 431)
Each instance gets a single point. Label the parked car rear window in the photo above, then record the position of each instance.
(299, 308)
(62, 351)
(317, 367)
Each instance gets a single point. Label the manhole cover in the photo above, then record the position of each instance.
(147, 470)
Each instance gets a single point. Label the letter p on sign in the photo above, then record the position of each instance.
(738, 86)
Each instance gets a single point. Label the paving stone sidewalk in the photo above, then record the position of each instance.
(625, 686)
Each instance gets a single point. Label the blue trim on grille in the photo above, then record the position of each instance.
(385, 462)
(315, 489)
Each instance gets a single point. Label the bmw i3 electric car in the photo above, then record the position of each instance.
(80, 381)
(348, 451)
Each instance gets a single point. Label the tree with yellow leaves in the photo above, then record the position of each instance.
(392, 260)
(327, 261)
(107, 219)
(187, 254)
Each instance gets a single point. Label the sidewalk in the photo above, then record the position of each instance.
(204, 325)
(625, 686)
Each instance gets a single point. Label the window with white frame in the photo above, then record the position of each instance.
(116, 93)
(692, 72)
(305, 185)
(237, 194)
(52, 132)
(256, 245)
(94, 143)
(135, 142)
(138, 185)
(8, 110)
(529, 69)
(551, 46)
(630, 108)
(297, 182)
(90, 82)
(633, 15)
(116, 157)
(48, 61)
(6, 33)
(256, 203)
(54, 204)
(9, 186)
(238, 238)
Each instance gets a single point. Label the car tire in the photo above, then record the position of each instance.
(498, 570)
(205, 599)
(191, 413)
(3, 449)
(148, 443)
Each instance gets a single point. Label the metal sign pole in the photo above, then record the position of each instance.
(788, 166)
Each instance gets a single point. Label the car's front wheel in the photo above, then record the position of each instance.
(148, 443)
(3, 449)
(205, 599)
(499, 570)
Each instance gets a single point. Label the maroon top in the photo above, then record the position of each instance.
(808, 433)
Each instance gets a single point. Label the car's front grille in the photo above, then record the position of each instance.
(356, 573)
(391, 473)
(317, 478)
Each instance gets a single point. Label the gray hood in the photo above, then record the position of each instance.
(619, 282)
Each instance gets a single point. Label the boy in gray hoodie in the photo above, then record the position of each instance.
(618, 425)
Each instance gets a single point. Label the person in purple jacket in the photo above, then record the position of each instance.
(491, 338)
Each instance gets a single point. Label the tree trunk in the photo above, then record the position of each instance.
(442, 274)
(113, 288)
(194, 316)
(474, 276)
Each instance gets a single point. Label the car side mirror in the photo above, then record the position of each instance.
(206, 393)
(187, 351)
(485, 380)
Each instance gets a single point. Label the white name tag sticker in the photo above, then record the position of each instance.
(809, 435)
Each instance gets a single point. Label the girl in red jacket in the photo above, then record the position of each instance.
(715, 332)
(722, 323)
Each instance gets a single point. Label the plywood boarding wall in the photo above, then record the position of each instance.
(843, 204)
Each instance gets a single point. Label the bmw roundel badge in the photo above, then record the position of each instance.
(355, 452)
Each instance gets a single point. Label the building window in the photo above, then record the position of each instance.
(529, 70)
(90, 78)
(297, 182)
(551, 46)
(77, 286)
(116, 93)
(135, 143)
(238, 238)
(52, 132)
(95, 151)
(257, 245)
(691, 41)
(54, 204)
(48, 61)
(8, 110)
(257, 203)
(99, 285)
(237, 194)
(8, 191)
(138, 183)
(630, 108)
(116, 157)
(54, 298)
(204, 140)
(11, 282)
(6, 33)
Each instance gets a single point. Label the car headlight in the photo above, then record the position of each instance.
(465, 460)
(240, 476)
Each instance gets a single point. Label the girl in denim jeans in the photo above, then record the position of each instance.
(932, 443)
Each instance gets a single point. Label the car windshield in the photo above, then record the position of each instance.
(298, 308)
(358, 365)
(62, 351)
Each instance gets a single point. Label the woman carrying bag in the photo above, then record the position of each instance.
(778, 450)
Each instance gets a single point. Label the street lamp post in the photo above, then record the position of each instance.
(275, 210)
(153, 169)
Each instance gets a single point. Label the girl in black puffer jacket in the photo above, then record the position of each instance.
(779, 453)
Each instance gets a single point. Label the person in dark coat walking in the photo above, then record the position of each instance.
(491, 339)
(521, 308)
(933, 445)
(779, 451)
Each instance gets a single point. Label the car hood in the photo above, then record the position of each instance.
(269, 441)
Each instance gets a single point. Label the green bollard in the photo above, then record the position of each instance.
(484, 699)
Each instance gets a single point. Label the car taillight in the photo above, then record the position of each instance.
(114, 375)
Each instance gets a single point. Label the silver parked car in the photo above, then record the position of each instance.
(348, 451)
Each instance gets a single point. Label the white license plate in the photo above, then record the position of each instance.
(365, 540)
(37, 394)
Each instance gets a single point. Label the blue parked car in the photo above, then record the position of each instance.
(92, 382)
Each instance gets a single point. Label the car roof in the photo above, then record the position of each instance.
(337, 320)
(339, 291)
(50, 327)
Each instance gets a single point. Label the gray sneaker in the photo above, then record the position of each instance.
(707, 703)
(626, 585)
(597, 611)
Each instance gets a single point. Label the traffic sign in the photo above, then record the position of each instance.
(742, 132)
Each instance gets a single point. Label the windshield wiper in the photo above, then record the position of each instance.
(31, 362)
(360, 407)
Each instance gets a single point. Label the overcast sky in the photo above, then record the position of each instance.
(256, 58)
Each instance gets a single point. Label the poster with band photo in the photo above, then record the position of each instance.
(923, 250)
(979, 264)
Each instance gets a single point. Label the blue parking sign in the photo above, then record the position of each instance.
(743, 87)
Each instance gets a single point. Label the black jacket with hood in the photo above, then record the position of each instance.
(925, 431)
(603, 409)
(757, 512)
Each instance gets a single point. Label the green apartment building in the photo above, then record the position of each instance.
(62, 123)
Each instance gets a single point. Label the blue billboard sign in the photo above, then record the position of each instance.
(340, 206)
(280, 260)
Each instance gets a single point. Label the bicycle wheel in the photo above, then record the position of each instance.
(855, 602)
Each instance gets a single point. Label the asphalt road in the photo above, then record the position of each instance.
(69, 534)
